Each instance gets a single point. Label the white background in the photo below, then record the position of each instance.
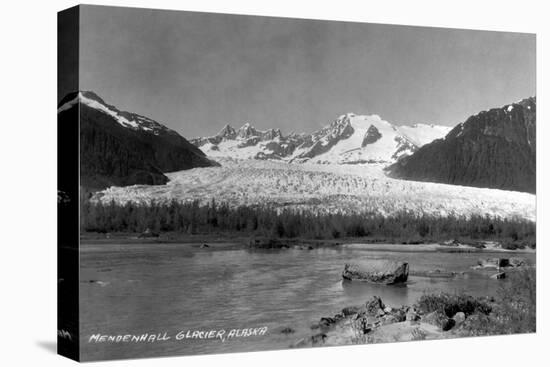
(28, 181)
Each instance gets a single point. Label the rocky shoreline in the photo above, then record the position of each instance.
(436, 316)
(374, 322)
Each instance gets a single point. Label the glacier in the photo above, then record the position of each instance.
(327, 188)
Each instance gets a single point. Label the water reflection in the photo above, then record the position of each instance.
(393, 295)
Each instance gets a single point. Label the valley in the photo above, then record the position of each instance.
(356, 165)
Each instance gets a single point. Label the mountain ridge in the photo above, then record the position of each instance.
(119, 148)
(494, 149)
(391, 144)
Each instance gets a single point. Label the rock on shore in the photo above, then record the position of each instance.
(513, 262)
(374, 322)
(377, 271)
(493, 263)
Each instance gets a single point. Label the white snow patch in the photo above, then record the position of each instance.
(67, 105)
(136, 123)
(421, 134)
(101, 107)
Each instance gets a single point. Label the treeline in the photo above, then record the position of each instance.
(193, 218)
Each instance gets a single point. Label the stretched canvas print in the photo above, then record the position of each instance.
(231, 183)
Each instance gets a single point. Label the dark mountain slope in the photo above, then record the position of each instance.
(495, 149)
(119, 148)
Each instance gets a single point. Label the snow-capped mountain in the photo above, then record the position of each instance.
(246, 142)
(350, 139)
(421, 134)
(358, 139)
(122, 148)
(126, 119)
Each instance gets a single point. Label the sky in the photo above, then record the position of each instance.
(196, 72)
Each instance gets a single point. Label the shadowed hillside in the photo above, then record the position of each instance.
(495, 149)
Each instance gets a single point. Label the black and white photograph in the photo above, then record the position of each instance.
(234, 183)
(275, 183)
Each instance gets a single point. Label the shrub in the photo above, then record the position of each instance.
(480, 324)
(518, 302)
(513, 245)
(450, 304)
(514, 311)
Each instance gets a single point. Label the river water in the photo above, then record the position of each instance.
(169, 288)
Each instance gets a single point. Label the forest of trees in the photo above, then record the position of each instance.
(191, 218)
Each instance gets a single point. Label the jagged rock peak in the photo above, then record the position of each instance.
(371, 136)
(227, 132)
(246, 131)
(271, 134)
